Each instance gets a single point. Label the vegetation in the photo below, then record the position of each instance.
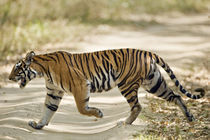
(166, 121)
(30, 24)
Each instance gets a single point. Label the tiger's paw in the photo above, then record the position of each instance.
(121, 123)
(99, 114)
(190, 117)
(34, 125)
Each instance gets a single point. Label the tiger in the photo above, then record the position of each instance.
(83, 73)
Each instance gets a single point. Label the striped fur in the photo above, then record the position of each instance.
(85, 73)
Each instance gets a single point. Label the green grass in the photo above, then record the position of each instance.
(29, 24)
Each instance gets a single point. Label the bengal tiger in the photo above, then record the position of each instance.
(85, 73)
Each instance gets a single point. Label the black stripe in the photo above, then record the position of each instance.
(81, 64)
(49, 88)
(169, 94)
(172, 76)
(97, 54)
(164, 82)
(168, 70)
(170, 98)
(43, 59)
(97, 83)
(156, 87)
(34, 74)
(96, 68)
(93, 88)
(123, 67)
(57, 57)
(140, 61)
(127, 52)
(49, 75)
(135, 105)
(103, 78)
(106, 55)
(132, 65)
(132, 99)
(151, 76)
(52, 107)
(137, 54)
(29, 76)
(162, 94)
(150, 54)
(115, 59)
(122, 53)
(51, 58)
(108, 83)
(196, 97)
(75, 61)
(87, 64)
(86, 100)
(23, 71)
(177, 83)
(128, 90)
(145, 57)
(133, 90)
(54, 97)
(61, 82)
(121, 83)
(70, 60)
(157, 59)
(105, 65)
(68, 70)
(182, 89)
(188, 95)
(112, 73)
(41, 66)
(163, 66)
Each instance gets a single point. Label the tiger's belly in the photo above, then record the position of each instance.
(102, 82)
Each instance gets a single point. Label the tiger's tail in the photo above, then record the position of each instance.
(165, 66)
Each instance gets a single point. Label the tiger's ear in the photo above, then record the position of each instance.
(29, 57)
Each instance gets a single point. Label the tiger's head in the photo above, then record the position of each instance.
(21, 71)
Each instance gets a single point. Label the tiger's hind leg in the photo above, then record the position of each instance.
(178, 101)
(155, 84)
(82, 95)
(130, 92)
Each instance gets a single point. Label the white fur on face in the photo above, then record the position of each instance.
(18, 64)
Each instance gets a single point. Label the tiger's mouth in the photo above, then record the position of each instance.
(22, 82)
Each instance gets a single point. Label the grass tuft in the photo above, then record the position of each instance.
(29, 24)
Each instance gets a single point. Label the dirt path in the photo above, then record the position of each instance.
(182, 42)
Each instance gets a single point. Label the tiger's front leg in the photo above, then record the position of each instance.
(51, 104)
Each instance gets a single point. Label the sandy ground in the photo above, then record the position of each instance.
(181, 41)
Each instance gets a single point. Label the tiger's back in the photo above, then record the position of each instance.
(103, 69)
